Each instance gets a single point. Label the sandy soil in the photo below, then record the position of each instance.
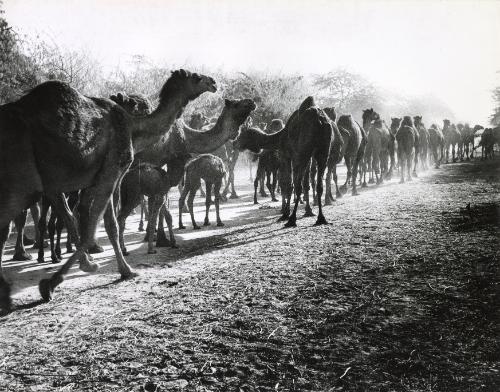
(400, 292)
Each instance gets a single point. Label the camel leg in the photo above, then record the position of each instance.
(260, 176)
(298, 175)
(234, 195)
(208, 202)
(191, 208)
(35, 214)
(415, 163)
(312, 176)
(269, 185)
(5, 301)
(93, 201)
(59, 229)
(348, 164)
(141, 222)
(305, 187)
(286, 188)
(217, 187)
(20, 253)
(335, 178)
(182, 200)
(409, 161)
(357, 161)
(51, 226)
(42, 225)
(125, 211)
(328, 194)
(155, 202)
(258, 180)
(319, 190)
(162, 240)
(273, 186)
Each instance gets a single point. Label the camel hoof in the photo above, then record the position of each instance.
(328, 202)
(125, 252)
(23, 256)
(206, 223)
(152, 251)
(309, 213)
(69, 249)
(291, 223)
(88, 266)
(196, 227)
(220, 224)
(40, 260)
(55, 259)
(415, 174)
(36, 245)
(58, 253)
(364, 185)
(338, 195)
(141, 228)
(274, 199)
(129, 274)
(46, 290)
(321, 221)
(355, 192)
(234, 196)
(371, 181)
(182, 227)
(96, 249)
(263, 194)
(255, 202)
(283, 218)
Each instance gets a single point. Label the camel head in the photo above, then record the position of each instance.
(248, 139)
(460, 127)
(369, 115)
(477, 127)
(190, 85)
(446, 123)
(238, 111)
(395, 123)
(276, 125)
(407, 121)
(417, 120)
(197, 121)
(306, 104)
(331, 113)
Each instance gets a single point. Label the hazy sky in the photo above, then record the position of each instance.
(448, 48)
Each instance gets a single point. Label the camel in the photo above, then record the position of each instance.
(451, 139)
(436, 144)
(468, 141)
(460, 144)
(307, 134)
(137, 105)
(268, 165)
(274, 126)
(489, 138)
(211, 169)
(55, 226)
(377, 150)
(405, 137)
(174, 150)
(335, 155)
(55, 140)
(423, 141)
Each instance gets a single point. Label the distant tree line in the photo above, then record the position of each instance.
(24, 63)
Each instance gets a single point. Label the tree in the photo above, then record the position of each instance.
(348, 92)
(495, 117)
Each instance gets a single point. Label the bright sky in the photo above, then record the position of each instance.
(448, 48)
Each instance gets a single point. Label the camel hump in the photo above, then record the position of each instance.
(306, 104)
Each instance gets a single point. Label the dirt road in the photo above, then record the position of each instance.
(400, 292)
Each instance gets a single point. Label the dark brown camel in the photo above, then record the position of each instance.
(306, 136)
(436, 144)
(175, 150)
(211, 169)
(55, 226)
(405, 138)
(268, 165)
(423, 141)
(451, 139)
(137, 105)
(378, 147)
(55, 140)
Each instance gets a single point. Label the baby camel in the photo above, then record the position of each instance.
(211, 169)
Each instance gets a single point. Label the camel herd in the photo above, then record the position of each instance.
(86, 158)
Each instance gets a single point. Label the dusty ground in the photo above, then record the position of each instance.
(400, 292)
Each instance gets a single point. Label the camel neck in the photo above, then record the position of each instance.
(149, 129)
(271, 141)
(200, 142)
